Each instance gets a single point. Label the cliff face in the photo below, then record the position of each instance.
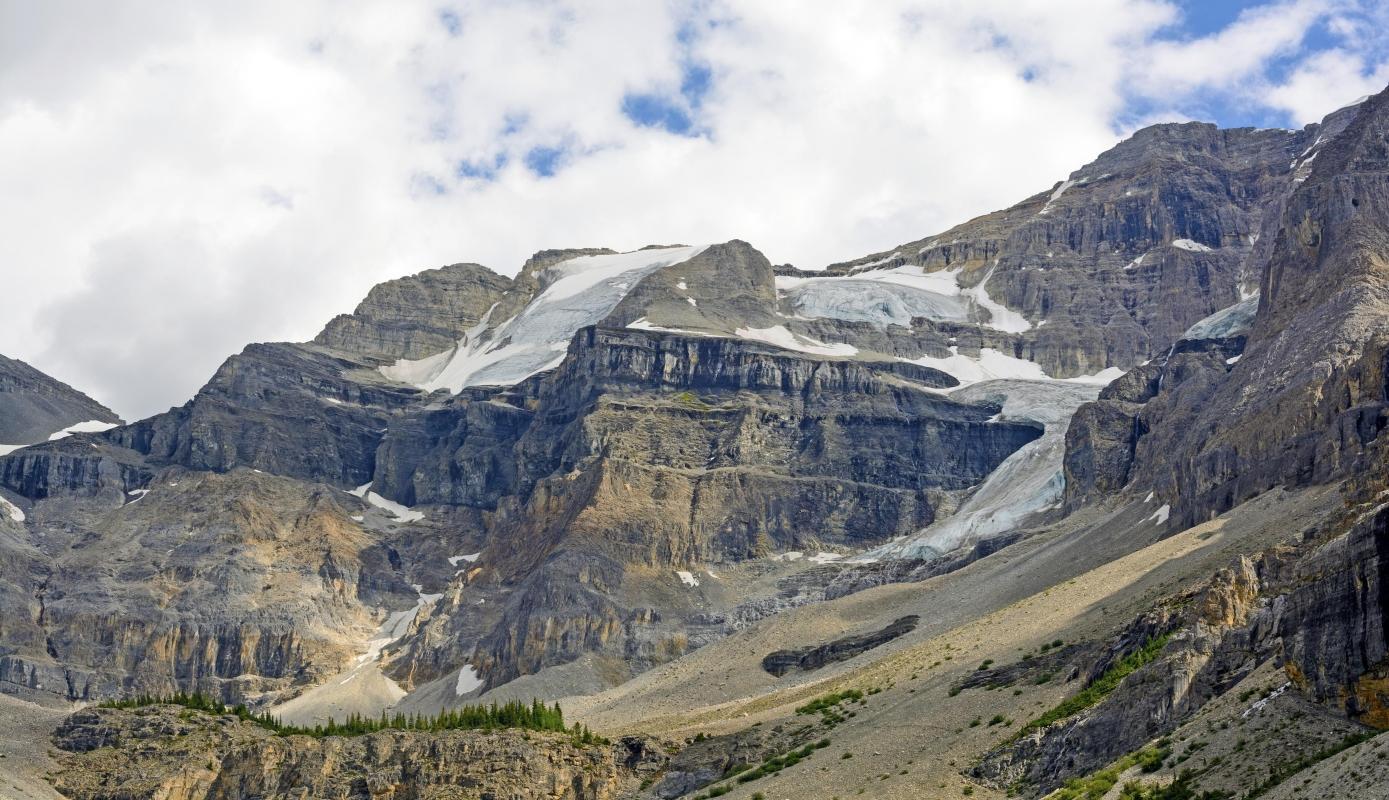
(166, 752)
(1302, 399)
(656, 451)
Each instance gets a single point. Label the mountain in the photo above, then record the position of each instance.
(1086, 490)
(35, 407)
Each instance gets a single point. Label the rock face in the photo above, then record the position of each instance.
(810, 658)
(33, 405)
(166, 752)
(1317, 610)
(1164, 229)
(301, 411)
(653, 451)
(241, 586)
(1306, 397)
(417, 316)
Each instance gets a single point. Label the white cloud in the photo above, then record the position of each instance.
(177, 181)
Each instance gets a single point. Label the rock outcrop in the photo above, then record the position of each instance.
(810, 658)
(168, 752)
(33, 405)
(417, 316)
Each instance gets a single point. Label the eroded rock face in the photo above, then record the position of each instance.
(242, 586)
(1306, 396)
(648, 450)
(34, 405)
(302, 411)
(1316, 609)
(171, 753)
(417, 316)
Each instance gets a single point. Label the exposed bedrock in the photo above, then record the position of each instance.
(1307, 395)
(419, 315)
(811, 658)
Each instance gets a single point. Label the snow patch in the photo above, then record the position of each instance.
(1187, 244)
(1233, 359)
(824, 558)
(687, 578)
(779, 336)
(989, 365)
(1001, 317)
(14, 511)
(400, 512)
(470, 558)
(879, 262)
(6, 449)
(1160, 516)
(1056, 195)
(468, 681)
(90, 426)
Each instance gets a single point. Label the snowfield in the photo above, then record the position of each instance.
(578, 292)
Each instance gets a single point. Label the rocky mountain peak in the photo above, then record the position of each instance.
(418, 315)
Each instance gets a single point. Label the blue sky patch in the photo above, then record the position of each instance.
(545, 161)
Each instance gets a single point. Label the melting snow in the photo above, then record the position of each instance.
(781, 337)
(581, 292)
(989, 365)
(824, 558)
(1001, 317)
(14, 511)
(467, 681)
(687, 578)
(1136, 263)
(1056, 195)
(1187, 244)
(1160, 516)
(90, 426)
(790, 555)
(400, 512)
(470, 558)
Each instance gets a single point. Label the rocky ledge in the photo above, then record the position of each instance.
(175, 753)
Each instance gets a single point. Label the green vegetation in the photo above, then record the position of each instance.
(1102, 686)
(1180, 789)
(1281, 772)
(770, 766)
(829, 701)
(533, 717)
(1097, 784)
(689, 400)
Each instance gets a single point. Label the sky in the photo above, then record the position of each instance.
(178, 180)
